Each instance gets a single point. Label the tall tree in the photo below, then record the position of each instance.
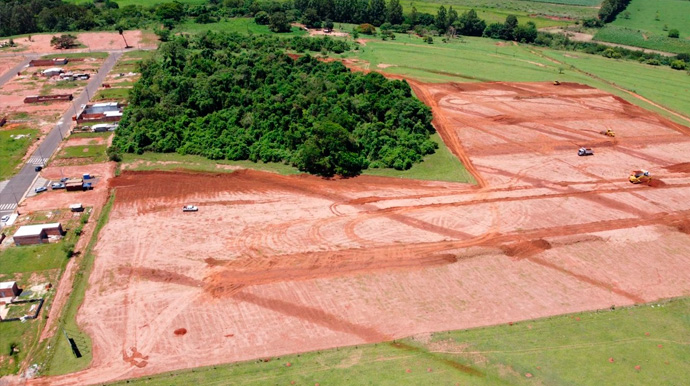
(452, 16)
(377, 12)
(395, 12)
(509, 27)
(442, 19)
(414, 16)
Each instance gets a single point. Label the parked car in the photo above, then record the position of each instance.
(41, 189)
(64, 179)
(5, 218)
(38, 168)
(57, 185)
(190, 208)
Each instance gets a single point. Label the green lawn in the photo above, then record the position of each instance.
(89, 134)
(174, 161)
(30, 258)
(239, 25)
(94, 153)
(115, 93)
(496, 11)
(12, 150)
(563, 350)
(440, 166)
(17, 334)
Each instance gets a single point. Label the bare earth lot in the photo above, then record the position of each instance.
(274, 264)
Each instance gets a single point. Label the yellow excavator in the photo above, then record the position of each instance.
(640, 177)
(608, 133)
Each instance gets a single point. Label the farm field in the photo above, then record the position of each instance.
(564, 349)
(235, 282)
(239, 25)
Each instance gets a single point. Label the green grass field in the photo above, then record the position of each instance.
(639, 38)
(30, 258)
(97, 55)
(440, 166)
(239, 25)
(643, 15)
(12, 150)
(645, 23)
(563, 350)
(90, 153)
(115, 93)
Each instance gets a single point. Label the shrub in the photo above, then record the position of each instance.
(261, 18)
(673, 33)
(653, 62)
(366, 29)
(678, 65)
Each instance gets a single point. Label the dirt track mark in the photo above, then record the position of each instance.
(314, 315)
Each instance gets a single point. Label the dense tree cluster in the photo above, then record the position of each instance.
(226, 96)
(611, 8)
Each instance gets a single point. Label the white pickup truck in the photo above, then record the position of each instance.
(190, 208)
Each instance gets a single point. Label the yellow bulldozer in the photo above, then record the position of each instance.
(608, 133)
(640, 177)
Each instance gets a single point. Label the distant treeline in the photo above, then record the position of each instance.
(227, 96)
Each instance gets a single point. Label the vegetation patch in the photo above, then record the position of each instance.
(94, 153)
(13, 145)
(639, 38)
(114, 93)
(249, 101)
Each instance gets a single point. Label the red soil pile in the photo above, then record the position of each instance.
(524, 249)
(180, 331)
(679, 168)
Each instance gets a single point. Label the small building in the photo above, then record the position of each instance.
(100, 112)
(37, 234)
(52, 71)
(48, 98)
(74, 184)
(48, 62)
(9, 289)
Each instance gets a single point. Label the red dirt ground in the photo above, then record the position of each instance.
(94, 41)
(287, 264)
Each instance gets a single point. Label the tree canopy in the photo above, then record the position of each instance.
(226, 96)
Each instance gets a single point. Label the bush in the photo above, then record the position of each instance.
(68, 248)
(366, 29)
(113, 154)
(261, 18)
(678, 65)
(673, 33)
(653, 62)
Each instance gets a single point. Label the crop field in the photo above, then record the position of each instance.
(235, 282)
(575, 349)
(638, 38)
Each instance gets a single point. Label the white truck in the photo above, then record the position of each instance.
(190, 208)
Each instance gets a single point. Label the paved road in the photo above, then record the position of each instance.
(15, 189)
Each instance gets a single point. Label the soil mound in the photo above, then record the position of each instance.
(180, 331)
(683, 167)
(524, 249)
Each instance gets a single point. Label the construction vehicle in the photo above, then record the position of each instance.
(640, 177)
(608, 133)
(585, 151)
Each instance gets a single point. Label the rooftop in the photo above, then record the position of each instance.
(7, 284)
(34, 230)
